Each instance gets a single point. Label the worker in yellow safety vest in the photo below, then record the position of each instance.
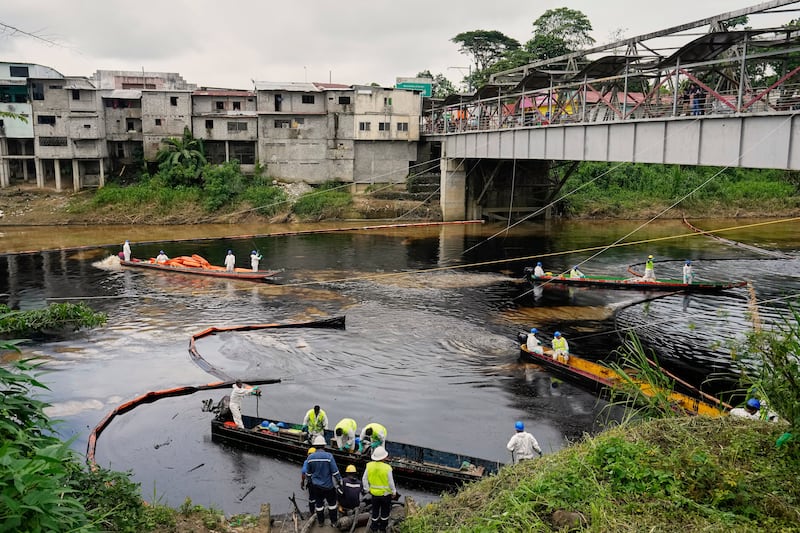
(344, 434)
(379, 482)
(315, 422)
(560, 348)
(373, 434)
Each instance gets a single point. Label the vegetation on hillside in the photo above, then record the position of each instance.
(608, 190)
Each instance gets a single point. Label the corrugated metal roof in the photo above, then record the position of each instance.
(223, 92)
(123, 94)
(78, 83)
(332, 86)
(288, 86)
(708, 47)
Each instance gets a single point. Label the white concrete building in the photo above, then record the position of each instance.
(227, 122)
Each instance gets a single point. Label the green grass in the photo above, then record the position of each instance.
(677, 474)
(622, 190)
(327, 201)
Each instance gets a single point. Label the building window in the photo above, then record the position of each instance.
(38, 91)
(173, 100)
(384, 126)
(237, 106)
(363, 126)
(402, 126)
(387, 101)
(76, 94)
(244, 152)
(219, 106)
(18, 72)
(158, 122)
(52, 141)
(308, 98)
(130, 125)
(87, 126)
(278, 101)
(46, 119)
(237, 126)
(209, 124)
(283, 123)
(344, 100)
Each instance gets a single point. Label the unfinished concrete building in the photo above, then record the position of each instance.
(227, 122)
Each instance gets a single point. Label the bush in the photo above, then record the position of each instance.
(328, 201)
(54, 317)
(221, 183)
(266, 199)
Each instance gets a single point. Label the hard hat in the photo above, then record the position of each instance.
(557, 334)
(534, 330)
(350, 469)
(311, 450)
(519, 426)
(538, 264)
(754, 403)
(649, 256)
(161, 252)
(319, 440)
(379, 454)
(253, 252)
(688, 261)
(230, 252)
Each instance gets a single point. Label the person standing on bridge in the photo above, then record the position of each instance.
(688, 274)
(649, 270)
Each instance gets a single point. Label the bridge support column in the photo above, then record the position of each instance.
(453, 192)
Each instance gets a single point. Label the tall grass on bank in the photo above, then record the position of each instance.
(327, 201)
(629, 188)
(676, 474)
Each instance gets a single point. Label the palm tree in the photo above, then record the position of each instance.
(182, 158)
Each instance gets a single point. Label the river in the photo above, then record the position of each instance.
(430, 344)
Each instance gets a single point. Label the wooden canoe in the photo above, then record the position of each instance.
(412, 465)
(611, 282)
(601, 379)
(218, 272)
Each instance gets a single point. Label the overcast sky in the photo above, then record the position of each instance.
(221, 44)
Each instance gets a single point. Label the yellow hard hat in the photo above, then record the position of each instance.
(350, 468)
(311, 450)
(649, 256)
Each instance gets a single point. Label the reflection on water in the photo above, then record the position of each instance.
(432, 355)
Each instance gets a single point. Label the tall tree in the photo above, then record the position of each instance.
(441, 87)
(570, 26)
(484, 46)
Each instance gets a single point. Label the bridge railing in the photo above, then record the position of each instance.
(708, 88)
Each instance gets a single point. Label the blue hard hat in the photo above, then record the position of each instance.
(519, 426)
(230, 252)
(754, 403)
(161, 252)
(534, 330)
(253, 252)
(557, 334)
(688, 261)
(539, 264)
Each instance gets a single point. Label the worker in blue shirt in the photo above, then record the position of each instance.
(325, 479)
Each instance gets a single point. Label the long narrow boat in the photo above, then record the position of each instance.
(601, 379)
(613, 282)
(412, 465)
(239, 273)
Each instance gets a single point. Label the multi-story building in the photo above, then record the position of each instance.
(80, 129)
(227, 122)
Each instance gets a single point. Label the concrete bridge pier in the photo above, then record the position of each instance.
(453, 183)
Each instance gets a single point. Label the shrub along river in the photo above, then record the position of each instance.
(432, 354)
